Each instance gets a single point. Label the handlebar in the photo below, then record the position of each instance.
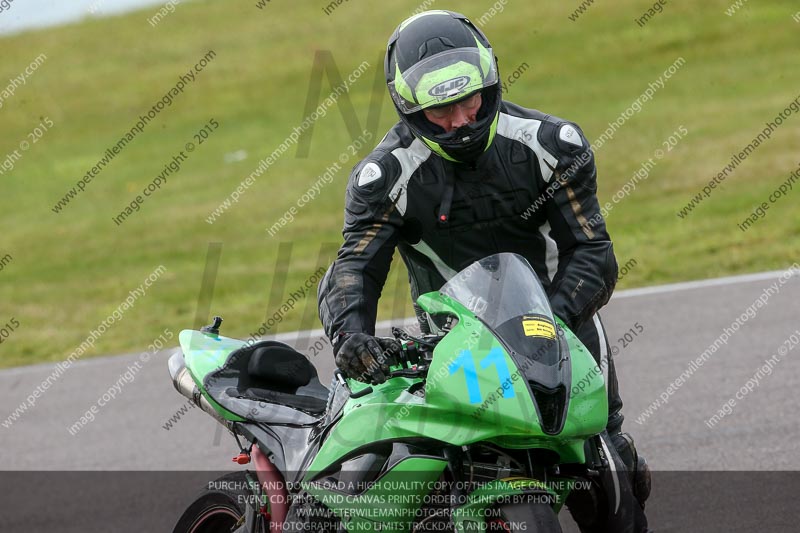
(362, 392)
(418, 372)
(414, 358)
(409, 372)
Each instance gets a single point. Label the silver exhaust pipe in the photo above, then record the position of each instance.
(183, 382)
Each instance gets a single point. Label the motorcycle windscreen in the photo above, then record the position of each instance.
(504, 292)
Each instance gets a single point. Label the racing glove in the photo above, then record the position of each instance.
(366, 358)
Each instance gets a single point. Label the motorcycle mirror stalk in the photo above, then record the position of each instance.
(213, 328)
(428, 341)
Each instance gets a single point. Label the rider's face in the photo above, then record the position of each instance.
(453, 116)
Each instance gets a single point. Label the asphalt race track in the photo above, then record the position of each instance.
(125, 472)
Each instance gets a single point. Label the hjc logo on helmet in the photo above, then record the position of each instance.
(449, 87)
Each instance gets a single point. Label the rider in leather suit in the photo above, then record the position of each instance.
(464, 175)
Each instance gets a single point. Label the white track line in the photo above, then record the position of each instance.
(386, 324)
(703, 283)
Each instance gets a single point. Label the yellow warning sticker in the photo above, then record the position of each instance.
(538, 327)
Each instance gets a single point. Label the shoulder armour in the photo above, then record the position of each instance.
(370, 183)
(566, 141)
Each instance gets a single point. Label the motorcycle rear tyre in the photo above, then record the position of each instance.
(218, 507)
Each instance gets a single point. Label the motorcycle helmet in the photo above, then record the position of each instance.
(438, 58)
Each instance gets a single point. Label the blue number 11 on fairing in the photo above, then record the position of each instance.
(466, 362)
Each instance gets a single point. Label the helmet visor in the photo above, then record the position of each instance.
(443, 78)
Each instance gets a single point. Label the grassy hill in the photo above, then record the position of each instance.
(64, 273)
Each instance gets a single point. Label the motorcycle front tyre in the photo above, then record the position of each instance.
(524, 517)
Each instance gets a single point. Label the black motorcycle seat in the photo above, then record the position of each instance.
(273, 373)
(281, 365)
(305, 403)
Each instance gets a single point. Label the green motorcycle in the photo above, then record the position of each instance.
(490, 424)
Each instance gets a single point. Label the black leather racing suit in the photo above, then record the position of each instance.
(532, 193)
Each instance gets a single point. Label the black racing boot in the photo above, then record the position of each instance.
(637, 466)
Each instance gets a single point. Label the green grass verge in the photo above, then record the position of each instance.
(67, 272)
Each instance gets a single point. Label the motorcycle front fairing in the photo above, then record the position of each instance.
(504, 293)
(489, 377)
(546, 380)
